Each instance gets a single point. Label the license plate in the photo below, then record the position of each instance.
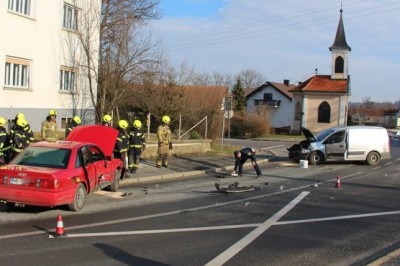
(16, 181)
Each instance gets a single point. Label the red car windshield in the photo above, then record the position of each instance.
(44, 157)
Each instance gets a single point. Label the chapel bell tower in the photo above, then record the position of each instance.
(340, 53)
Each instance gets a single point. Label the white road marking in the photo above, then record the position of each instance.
(241, 244)
(161, 231)
(338, 218)
(228, 227)
(37, 232)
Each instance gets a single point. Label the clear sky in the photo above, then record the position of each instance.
(287, 39)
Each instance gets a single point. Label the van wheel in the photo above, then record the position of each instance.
(79, 199)
(373, 158)
(115, 183)
(315, 158)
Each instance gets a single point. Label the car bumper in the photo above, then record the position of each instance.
(297, 155)
(36, 197)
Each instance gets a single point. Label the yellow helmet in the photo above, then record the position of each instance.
(123, 124)
(137, 124)
(22, 122)
(77, 119)
(107, 118)
(20, 115)
(166, 119)
(3, 121)
(52, 112)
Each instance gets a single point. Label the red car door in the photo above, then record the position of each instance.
(104, 173)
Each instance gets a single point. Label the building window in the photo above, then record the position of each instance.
(68, 79)
(324, 113)
(339, 65)
(17, 73)
(267, 96)
(20, 6)
(70, 18)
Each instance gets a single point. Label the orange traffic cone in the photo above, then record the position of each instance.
(338, 183)
(60, 226)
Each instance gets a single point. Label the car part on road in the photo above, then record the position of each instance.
(234, 188)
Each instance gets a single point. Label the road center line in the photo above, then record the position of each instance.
(226, 227)
(125, 220)
(241, 244)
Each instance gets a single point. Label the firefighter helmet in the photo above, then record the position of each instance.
(3, 121)
(107, 118)
(52, 112)
(22, 122)
(123, 124)
(137, 124)
(77, 119)
(20, 115)
(166, 119)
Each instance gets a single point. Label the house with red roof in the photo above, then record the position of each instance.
(321, 101)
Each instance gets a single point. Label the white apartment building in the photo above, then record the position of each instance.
(42, 63)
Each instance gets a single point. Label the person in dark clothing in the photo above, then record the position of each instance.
(122, 143)
(18, 138)
(137, 145)
(5, 144)
(241, 157)
(76, 121)
(27, 129)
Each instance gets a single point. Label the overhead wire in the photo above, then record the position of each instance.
(217, 37)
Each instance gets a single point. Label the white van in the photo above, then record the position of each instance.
(353, 143)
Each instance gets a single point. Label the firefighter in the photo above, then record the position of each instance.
(49, 127)
(75, 121)
(241, 157)
(19, 139)
(5, 144)
(137, 145)
(164, 142)
(122, 143)
(28, 129)
(106, 120)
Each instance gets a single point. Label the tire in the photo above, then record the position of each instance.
(79, 199)
(115, 184)
(316, 157)
(373, 158)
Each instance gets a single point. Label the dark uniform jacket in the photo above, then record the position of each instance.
(122, 143)
(70, 127)
(137, 138)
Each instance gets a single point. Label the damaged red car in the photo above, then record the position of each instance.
(63, 172)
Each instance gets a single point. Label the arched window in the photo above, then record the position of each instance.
(339, 65)
(324, 113)
(297, 111)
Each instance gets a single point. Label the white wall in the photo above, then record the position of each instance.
(41, 39)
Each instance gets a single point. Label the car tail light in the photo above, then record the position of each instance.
(48, 183)
(3, 179)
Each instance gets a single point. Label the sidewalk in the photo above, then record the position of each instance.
(186, 166)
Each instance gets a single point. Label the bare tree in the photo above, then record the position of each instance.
(126, 49)
(220, 79)
(251, 78)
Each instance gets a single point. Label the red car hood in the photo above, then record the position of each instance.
(102, 136)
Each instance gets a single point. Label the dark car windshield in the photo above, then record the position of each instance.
(323, 134)
(44, 157)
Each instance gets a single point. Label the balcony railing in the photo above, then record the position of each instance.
(269, 103)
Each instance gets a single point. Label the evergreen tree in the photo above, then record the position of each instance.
(239, 99)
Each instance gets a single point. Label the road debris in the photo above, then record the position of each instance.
(234, 188)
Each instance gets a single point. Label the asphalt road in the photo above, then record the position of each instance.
(298, 218)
